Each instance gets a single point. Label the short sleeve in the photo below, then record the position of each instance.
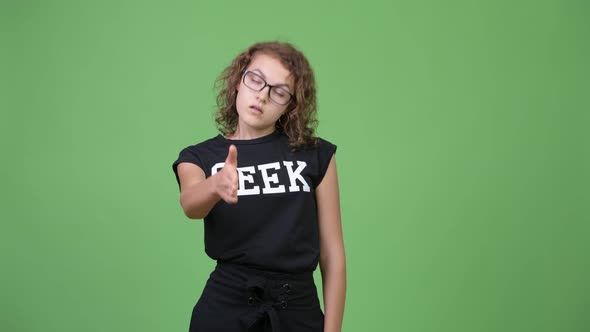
(189, 155)
(325, 151)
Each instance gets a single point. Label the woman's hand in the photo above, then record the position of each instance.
(226, 180)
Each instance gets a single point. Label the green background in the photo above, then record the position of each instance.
(463, 156)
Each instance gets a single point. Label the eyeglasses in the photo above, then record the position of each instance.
(277, 94)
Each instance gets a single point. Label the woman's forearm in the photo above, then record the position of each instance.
(198, 199)
(200, 194)
(334, 291)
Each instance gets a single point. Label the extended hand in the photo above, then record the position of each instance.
(227, 178)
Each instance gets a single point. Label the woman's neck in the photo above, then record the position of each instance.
(243, 134)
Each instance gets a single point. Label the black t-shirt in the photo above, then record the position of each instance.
(274, 225)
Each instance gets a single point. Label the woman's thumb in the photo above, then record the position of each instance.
(232, 156)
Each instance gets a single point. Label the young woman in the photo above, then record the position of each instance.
(267, 190)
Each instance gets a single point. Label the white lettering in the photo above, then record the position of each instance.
(246, 178)
(270, 179)
(243, 178)
(216, 168)
(294, 176)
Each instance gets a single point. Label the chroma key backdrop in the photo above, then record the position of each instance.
(463, 157)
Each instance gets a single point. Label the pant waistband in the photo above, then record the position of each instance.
(267, 292)
(271, 275)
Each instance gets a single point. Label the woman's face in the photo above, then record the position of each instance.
(257, 112)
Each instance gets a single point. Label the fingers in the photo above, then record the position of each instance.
(232, 187)
(231, 197)
(228, 184)
(232, 157)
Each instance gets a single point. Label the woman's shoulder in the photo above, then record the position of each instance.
(324, 141)
(319, 144)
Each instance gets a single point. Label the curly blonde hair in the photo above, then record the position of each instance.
(299, 121)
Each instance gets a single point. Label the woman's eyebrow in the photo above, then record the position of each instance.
(263, 76)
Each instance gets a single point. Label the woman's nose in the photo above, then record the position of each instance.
(263, 94)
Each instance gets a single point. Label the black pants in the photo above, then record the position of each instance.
(238, 298)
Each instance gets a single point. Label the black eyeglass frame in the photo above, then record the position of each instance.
(270, 87)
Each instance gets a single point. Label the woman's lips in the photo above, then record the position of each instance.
(256, 109)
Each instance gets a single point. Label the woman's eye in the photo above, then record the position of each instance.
(255, 80)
